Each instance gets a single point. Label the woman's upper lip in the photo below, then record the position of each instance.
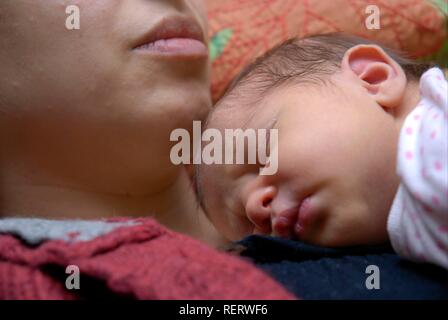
(173, 27)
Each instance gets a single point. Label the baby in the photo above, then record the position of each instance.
(362, 149)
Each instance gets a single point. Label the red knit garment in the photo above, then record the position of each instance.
(142, 261)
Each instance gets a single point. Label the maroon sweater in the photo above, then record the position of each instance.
(133, 259)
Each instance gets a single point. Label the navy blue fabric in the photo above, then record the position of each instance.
(313, 272)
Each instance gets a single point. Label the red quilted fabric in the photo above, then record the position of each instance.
(414, 26)
(143, 261)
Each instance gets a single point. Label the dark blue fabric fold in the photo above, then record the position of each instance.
(313, 272)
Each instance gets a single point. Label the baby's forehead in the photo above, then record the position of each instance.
(238, 108)
(246, 108)
(231, 113)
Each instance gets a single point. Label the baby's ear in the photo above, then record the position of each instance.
(377, 72)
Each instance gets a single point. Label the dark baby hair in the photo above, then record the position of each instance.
(311, 60)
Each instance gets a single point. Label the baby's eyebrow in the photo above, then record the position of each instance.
(249, 119)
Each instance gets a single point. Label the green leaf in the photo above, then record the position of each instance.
(442, 5)
(218, 43)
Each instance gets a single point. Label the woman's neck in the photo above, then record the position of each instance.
(173, 206)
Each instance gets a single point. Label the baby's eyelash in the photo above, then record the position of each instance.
(268, 136)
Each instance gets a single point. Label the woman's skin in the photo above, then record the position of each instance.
(85, 118)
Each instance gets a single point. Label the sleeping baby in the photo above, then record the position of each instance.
(362, 149)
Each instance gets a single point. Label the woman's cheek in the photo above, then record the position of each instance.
(200, 8)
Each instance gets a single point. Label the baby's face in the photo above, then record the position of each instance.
(336, 168)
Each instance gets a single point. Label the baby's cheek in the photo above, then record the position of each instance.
(348, 226)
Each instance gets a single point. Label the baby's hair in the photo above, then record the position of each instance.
(310, 60)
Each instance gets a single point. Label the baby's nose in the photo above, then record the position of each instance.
(259, 210)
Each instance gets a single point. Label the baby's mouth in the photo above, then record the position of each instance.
(291, 223)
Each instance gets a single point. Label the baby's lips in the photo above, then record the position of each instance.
(298, 229)
(283, 224)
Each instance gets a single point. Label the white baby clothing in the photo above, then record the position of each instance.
(418, 219)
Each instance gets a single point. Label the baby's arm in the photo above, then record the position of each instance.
(418, 221)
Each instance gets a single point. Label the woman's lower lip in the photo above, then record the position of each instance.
(176, 47)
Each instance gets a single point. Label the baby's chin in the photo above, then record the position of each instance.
(321, 233)
(235, 229)
(330, 241)
(327, 237)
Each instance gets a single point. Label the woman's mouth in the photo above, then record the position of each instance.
(175, 36)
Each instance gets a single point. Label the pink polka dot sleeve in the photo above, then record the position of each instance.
(418, 220)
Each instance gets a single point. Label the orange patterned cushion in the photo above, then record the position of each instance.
(241, 30)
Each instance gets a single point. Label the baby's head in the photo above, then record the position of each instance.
(338, 103)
